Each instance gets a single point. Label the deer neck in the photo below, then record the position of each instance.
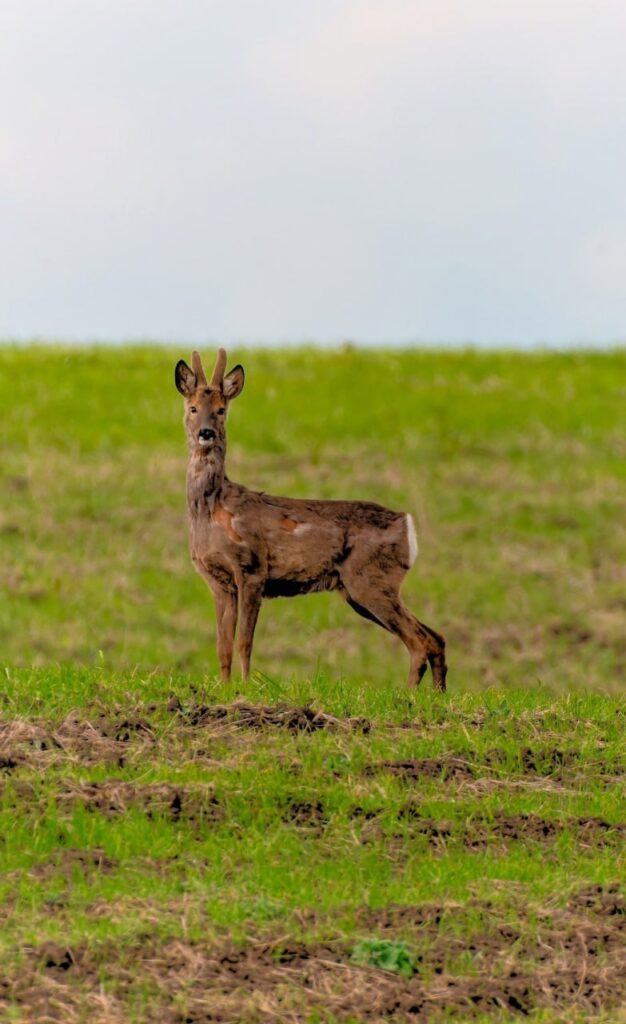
(205, 478)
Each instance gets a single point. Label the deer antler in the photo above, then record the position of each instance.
(220, 365)
(196, 366)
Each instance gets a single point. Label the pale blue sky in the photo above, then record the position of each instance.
(286, 170)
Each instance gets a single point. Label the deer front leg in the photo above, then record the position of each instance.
(226, 614)
(250, 597)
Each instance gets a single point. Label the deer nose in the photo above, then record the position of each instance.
(206, 434)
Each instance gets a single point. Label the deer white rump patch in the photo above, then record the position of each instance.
(303, 528)
(412, 539)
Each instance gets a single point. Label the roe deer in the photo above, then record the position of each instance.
(249, 545)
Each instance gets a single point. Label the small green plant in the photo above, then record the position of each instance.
(386, 955)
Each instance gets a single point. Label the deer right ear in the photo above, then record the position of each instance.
(185, 378)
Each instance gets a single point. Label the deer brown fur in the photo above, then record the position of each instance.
(249, 545)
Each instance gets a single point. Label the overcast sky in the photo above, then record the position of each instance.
(283, 170)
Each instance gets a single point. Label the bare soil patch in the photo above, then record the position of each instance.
(574, 962)
(69, 863)
(480, 833)
(533, 828)
(190, 803)
(551, 762)
(242, 715)
(308, 814)
(38, 744)
(414, 769)
(605, 900)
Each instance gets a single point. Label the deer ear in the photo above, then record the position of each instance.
(185, 378)
(233, 382)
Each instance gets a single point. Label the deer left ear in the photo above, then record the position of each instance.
(233, 382)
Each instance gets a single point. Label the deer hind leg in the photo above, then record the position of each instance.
(437, 659)
(226, 611)
(376, 597)
(250, 597)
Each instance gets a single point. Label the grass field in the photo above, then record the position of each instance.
(317, 844)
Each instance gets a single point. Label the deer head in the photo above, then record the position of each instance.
(206, 402)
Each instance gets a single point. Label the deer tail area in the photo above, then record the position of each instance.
(411, 537)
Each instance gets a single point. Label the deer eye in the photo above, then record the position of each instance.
(220, 412)
(192, 408)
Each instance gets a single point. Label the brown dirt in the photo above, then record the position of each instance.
(306, 814)
(561, 764)
(607, 900)
(593, 923)
(574, 961)
(425, 768)
(258, 716)
(107, 738)
(69, 863)
(468, 765)
(530, 827)
(547, 760)
(118, 740)
(400, 916)
(38, 744)
(190, 803)
(480, 833)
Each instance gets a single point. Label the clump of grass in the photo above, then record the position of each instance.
(386, 954)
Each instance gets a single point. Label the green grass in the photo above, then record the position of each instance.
(513, 466)
(287, 837)
(423, 850)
